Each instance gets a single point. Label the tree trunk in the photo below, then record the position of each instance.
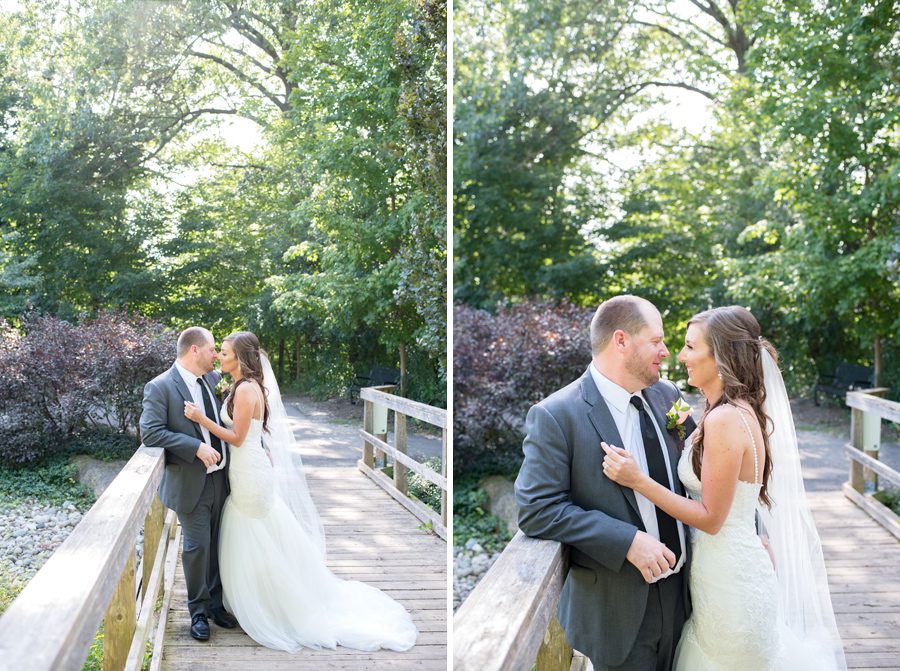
(403, 369)
(281, 359)
(297, 372)
(876, 355)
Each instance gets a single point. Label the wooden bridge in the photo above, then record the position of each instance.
(508, 622)
(92, 579)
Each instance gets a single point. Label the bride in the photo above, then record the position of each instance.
(272, 546)
(756, 605)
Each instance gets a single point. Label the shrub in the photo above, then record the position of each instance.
(123, 354)
(53, 481)
(58, 378)
(424, 490)
(471, 519)
(504, 364)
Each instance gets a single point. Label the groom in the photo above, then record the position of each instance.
(625, 598)
(195, 482)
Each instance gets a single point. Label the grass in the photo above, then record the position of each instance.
(10, 586)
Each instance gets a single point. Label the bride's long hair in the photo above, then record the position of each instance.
(733, 336)
(246, 348)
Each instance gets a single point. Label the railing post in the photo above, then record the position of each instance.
(368, 424)
(444, 473)
(871, 437)
(153, 526)
(857, 479)
(400, 470)
(555, 653)
(118, 627)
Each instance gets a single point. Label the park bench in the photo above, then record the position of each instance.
(377, 376)
(847, 377)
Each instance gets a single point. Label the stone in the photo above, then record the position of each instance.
(501, 500)
(94, 473)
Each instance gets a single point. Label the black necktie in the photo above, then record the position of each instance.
(656, 465)
(211, 413)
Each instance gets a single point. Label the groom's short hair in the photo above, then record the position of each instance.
(620, 312)
(195, 335)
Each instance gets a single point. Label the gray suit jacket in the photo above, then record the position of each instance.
(163, 424)
(563, 495)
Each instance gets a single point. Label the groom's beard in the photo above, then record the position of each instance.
(641, 370)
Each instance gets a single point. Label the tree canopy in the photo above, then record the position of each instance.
(273, 166)
(573, 180)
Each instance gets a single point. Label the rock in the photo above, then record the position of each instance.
(96, 474)
(471, 543)
(501, 500)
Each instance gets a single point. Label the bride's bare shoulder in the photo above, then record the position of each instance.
(723, 425)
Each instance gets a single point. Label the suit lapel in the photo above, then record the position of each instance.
(178, 381)
(605, 426)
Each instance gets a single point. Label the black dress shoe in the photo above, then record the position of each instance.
(200, 627)
(223, 618)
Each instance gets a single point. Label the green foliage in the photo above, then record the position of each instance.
(787, 202)
(10, 586)
(427, 492)
(103, 443)
(890, 498)
(51, 481)
(471, 519)
(117, 189)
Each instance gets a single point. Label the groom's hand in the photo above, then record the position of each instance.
(209, 456)
(649, 556)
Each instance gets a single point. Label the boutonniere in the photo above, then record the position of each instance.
(677, 416)
(222, 388)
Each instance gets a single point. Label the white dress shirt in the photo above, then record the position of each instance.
(191, 381)
(628, 423)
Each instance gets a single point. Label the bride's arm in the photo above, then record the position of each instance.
(724, 443)
(245, 399)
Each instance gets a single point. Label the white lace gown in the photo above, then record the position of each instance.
(276, 583)
(734, 625)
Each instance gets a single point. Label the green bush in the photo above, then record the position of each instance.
(50, 481)
(890, 498)
(472, 520)
(103, 443)
(427, 492)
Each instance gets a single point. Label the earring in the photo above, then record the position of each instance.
(719, 373)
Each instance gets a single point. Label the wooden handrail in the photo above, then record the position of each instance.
(52, 623)
(867, 410)
(426, 413)
(501, 625)
(377, 443)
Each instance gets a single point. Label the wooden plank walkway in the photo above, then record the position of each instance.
(863, 563)
(370, 537)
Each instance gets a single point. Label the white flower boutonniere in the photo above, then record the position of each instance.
(677, 416)
(222, 388)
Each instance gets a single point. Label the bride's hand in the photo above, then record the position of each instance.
(192, 412)
(619, 466)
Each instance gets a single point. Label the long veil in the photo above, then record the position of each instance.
(804, 602)
(290, 478)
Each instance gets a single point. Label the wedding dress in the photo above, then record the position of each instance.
(735, 624)
(274, 576)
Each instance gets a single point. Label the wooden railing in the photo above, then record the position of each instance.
(378, 401)
(91, 579)
(508, 622)
(867, 410)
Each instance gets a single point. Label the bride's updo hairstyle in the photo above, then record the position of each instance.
(245, 346)
(733, 335)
